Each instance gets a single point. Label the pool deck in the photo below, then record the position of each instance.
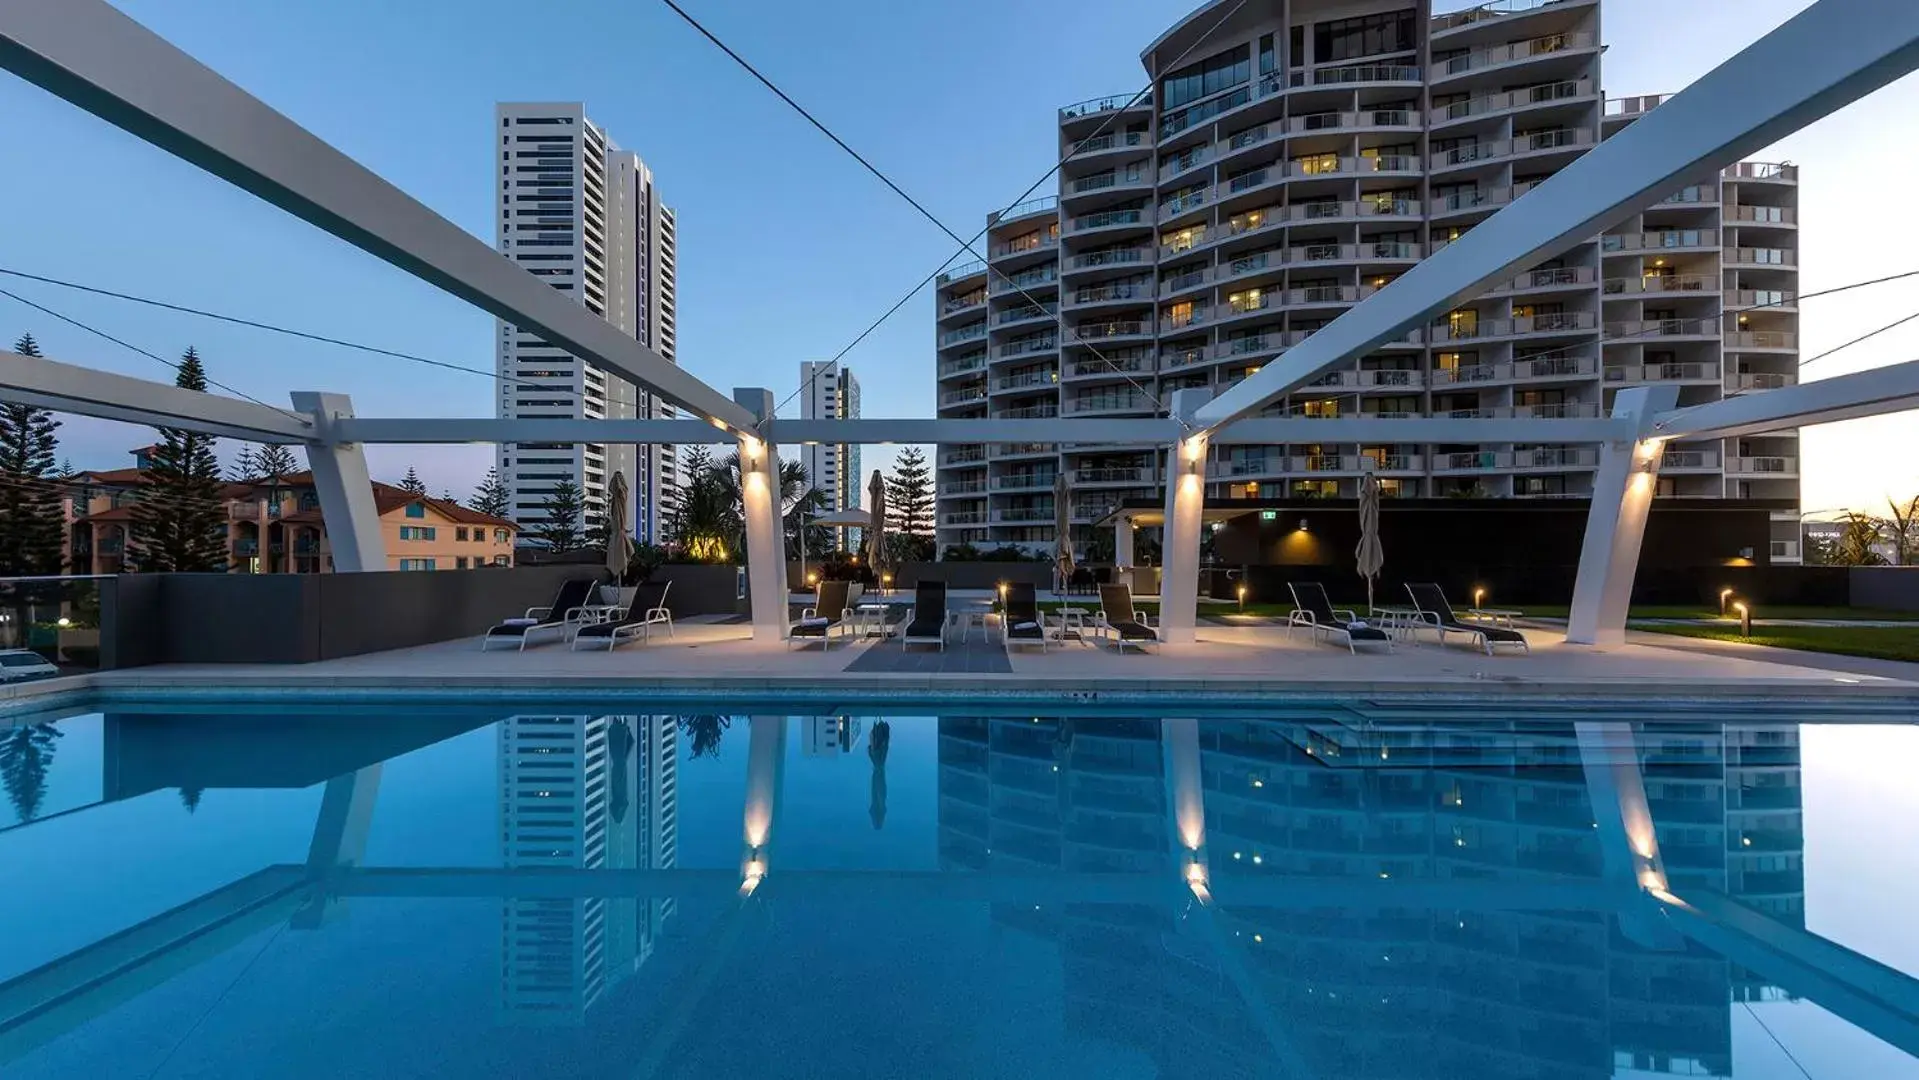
(1242, 661)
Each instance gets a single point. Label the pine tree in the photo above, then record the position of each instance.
(560, 531)
(491, 496)
(32, 525)
(190, 798)
(178, 526)
(66, 466)
(275, 462)
(245, 465)
(26, 752)
(447, 496)
(909, 495)
(412, 483)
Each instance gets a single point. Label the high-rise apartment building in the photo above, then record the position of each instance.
(585, 215)
(830, 392)
(1304, 156)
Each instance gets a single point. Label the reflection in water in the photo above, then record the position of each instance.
(25, 754)
(877, 744)
(1381, 992)
(582, 793)
(703, 733)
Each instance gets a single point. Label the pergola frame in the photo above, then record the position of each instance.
(1828, 56)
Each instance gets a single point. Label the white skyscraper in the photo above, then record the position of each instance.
(830, 392)
(584, 214)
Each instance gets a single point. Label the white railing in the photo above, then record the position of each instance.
(1762, 215)
(1689, 459)
(1748, 256)
(1762, 170)
(1635, 106)
(1511, 51)
(1655, 284)
(1513, 99)
(1744, 382)
(1763, 466)
(961, 272)
(1761, 339)
(1673, 372)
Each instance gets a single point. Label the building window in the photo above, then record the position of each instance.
(499, 537)
(460, 534)
(500, 560)
(419, 532)
(1207, 77)
(1369, 35)
(416, 564)
(416, 510)
(459, 563)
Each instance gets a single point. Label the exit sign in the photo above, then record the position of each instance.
(1269, 515)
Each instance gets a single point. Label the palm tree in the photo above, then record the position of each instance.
(798, 498)
(702, 520)
(25, 754)
(1855, 547)
(704, 732)
(1902, 528)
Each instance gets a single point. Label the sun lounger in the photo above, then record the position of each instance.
(559, 617)
(1312, 609)
(927, 623)
(1118, 619)
(1435, 613)
(1020, 622)
(828, 614)
(646, 609)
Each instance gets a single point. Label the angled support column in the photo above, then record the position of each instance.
(1123, 542)
(765, 761)
(1180, 737)
(345, 488)
(760, 504)
(1616, 524)
(1185, 509)
(339, 840)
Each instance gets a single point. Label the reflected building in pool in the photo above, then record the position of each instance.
(585, 793)
(1381, 992)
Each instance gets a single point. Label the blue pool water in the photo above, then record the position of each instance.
(300, 890)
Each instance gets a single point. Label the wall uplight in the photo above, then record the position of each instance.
(1302, 525)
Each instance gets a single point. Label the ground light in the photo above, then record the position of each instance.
(1242, 598)
(1479, 598)
(1745, 618)
(1724, 596)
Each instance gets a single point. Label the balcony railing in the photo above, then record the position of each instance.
(1492, 9)
(1028, 345)
(1514, 99)
(1024, 515)
(963, 303)
(1116, 328)
(968, 396)
(1763, 466)
(1643, 328)
(1635, 106)
(969, 332)
(1113, 476)
(1111, 140)
(963, 517)
(961, 272)
(1390, 378)
(1555, 457)
(1095, 106)
(970, 456)
(1100, 403)
(1745, 382)
(1248, 466)
(951, 368)
(963, 487)
(1511, 51)
(1109, 257)
(1026, 279)
(1019, 245)
(1336, 121)
(1762, 170)
(1023, 481)
(1360, 73)
(1030, 206)
(1762, 215)
(1024, 380)
(1689, 459)
(1111, 365)
(1747, 256)
(1106, 219)
(245, 510)
(1674, 372)
(1785, 549)
(1675, 283)
(1023, 314)
(1758, 298)
(1660, 240)
(1556, 410)
(1761, 339)
(1113, 290)
(1546, 279)
(1030, 412)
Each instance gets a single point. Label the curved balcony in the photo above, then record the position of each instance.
(959, 306)
(960, 273)
(1345, 122)
(1025, 314)
(1095, 108)
(1032, 346)
(1105, 404)
(1660, 240)
(1132, 178)
(1129, 219)
(1701, 284)
(962, 365)
(1675, 372)
(1577, 139)
(1773, 299)
(1563, 277)
(1111, 293)
(1188, 281)
(1510, 100)
(1108, 258)
(953, 399)
(1762, 341)
(962, 458)
(951, 339)
(1039, 277)
(1023, 249)
(1246, 347)
(1463, 202)
(1271, 260)
(1107, 142)
(1389, 380)
(1338, 253)
(1044, 205)
(1512, 52)
(1245, 141)
(1354, 77)
(1110, 330)
(1025, 381)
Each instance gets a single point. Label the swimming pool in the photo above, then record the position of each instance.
(304, 887)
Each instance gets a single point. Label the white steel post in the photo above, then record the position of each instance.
(1123, 542)
(760, 504)
(1615, 526)
(341, 480)
(1185, 507)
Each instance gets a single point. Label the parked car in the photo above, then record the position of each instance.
(19, 665)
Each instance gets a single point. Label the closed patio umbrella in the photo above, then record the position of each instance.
(1062, 530)
(875, 537)
(1372, 557)
(619, 546)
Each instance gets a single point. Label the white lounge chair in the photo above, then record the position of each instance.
(560, 617)
(646, 609)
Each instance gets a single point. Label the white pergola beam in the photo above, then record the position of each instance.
(69, 388)
(1826, 57)
(385, 429)
(92, 55)
(1438, 429)
(1894, 388)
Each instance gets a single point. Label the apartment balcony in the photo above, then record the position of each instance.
(1184, 162)
(1031, 481)
(1108, 367)
(1556, 457)
(1564, 277)
(1762, 215)
(1356, 76)
(1507, 101)
(963, 487)
(1773, 172)
(972, 395)
(1769, 258)
(1389, 379)
(960, 305)
(1092, 260)
(1172, 359)
(1023, 246)
(1706, 329)
(1241, 141)
(246, 510)
(1682, 461)
(1564, 322)
(1027, 347)
(1112, 330)
(1460, 202)
(956, 458)
(1026, 314)
(1364, 120)
(1023, 515)
(1091, 477)
(1472, 461)
(1377, 252)
(1785, 550)
(1247, 466)
(1642, 373)
(1093, 509)
(1762, 341)
(1044, 205)
(1046, 411)
(1776, 299)
(1511, 53)
(1026, 280)
(1325, 463)
(1461, 156)
(1125, 178)
(970, 332)
(1108, 142)
(1112, 292)
(1188, 201)
(953, 369)
(1096, 107)
(1634, 107)
(1108, 404)
(1747, 382)
(960, 273)
(1660, 286)
(1552, 369)
(1109, 221)
(1661, 240)
(963, 517)
(1784, 467)
(1025, 381)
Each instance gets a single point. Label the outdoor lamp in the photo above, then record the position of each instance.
(1745, 617)
(1479, 596)
(1242, 598)
(1724, 595)
(1302, 525)
(812, 579)
(65, 622)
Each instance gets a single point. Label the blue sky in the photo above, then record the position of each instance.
(788, 249)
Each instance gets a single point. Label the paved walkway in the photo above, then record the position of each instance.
(1233, 662)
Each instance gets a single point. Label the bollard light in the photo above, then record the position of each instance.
(1479, 598)
(812, 579)
(1745, 618)
(1242, 598)
(65, 622)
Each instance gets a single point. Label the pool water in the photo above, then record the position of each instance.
(311, 890)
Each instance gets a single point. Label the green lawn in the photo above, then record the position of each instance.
(1877, 642)
(1558, 611)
